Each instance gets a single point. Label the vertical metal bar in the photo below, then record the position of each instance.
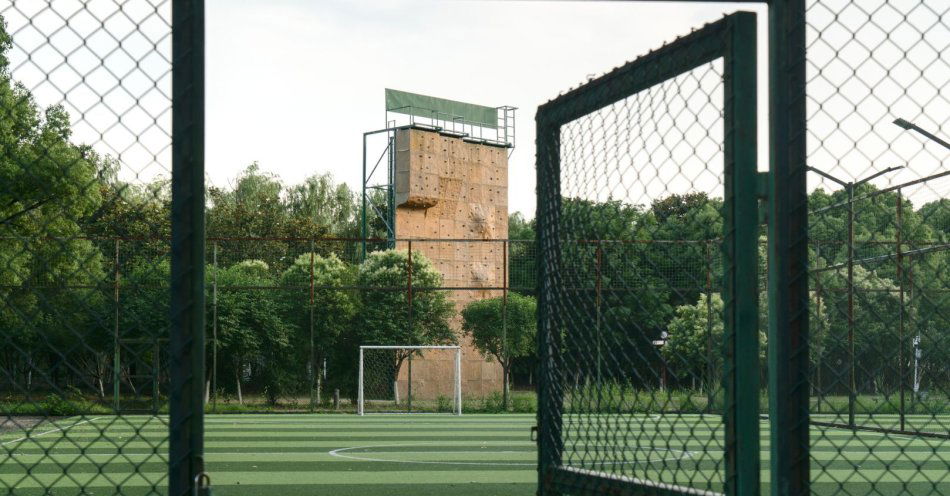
(900, 312)
(214, 328)
(597, 302)
(550, 391)
(391, 190)
(710, 394)
(852, 382)
(458, 381)
(504, 324)
(364, 231)
(788, 251)
(409, 300)
(186, 423)
(156, 354)
(359, 389)
(740, 240)
(311, 350)
(818, 386)
(117, 347)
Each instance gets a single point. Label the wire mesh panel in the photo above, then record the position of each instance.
(878, 98)
(410, 380)
(85, 169)
(649, 344)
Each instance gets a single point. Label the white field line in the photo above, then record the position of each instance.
(338, 453)
(58, 429)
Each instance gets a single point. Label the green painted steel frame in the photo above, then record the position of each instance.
(187, 344)
(733, 39)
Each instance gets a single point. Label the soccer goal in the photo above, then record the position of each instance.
(410, 379)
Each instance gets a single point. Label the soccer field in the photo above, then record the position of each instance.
(416, 455)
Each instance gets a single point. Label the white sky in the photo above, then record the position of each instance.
(293, 84)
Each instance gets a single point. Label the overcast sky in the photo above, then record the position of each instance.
(294, 84)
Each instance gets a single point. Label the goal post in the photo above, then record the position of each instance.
(410, 379)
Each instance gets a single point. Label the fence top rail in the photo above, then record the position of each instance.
(433, 347)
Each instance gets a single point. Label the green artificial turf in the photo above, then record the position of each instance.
(286, 455)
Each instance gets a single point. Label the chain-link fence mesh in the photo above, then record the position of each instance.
(85, 168)
(877, 245)
(639, 354)
(410, 380)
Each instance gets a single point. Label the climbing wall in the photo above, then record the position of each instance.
(449, 191)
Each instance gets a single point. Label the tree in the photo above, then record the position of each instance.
(502, 330)
(319, 315)
(694, 340)
(252, 332)
(48, 184)
(254, 208)
(318, 207)
(386, 316)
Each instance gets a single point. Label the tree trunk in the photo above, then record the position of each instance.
(319, 386)
(505, 386)
(237, 383)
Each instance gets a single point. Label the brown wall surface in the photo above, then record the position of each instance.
(450, 189)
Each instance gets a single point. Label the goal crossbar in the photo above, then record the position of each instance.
(362, 395)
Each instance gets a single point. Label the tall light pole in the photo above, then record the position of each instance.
(910, 126)
(849, 187)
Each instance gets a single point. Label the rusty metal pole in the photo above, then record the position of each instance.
(409, 299)
(504, 324)
(900, 313)
(709, 353)
(852, 381)
(314, 391)
(117, 348)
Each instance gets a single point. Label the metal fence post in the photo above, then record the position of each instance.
(788, 251)
(214, 329)
(186, 423)
(314, 391)
(504, 324)
(900, 313)
(852, 380)
(117, 347)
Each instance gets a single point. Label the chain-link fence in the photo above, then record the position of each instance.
(878, 100)
(856, 385)
(649, 376)
(85, 164)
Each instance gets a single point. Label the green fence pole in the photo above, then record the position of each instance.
(186, 422)
(788, 252)
(741, 248)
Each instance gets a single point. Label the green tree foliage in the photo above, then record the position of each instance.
(320, 207)
(694, 340)
(694, 344)
(47, 186)
(386, 316)
(502, 331)
(328, 314)
(253, 336)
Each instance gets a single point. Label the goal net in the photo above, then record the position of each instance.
(410, 379)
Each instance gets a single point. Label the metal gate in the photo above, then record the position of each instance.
(658, 156)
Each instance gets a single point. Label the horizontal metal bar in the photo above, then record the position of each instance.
(881, 258)
(881, 192)
(580, 481)
(433, 347)
(884, 430)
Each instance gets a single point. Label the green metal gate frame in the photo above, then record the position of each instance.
(732, 39)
